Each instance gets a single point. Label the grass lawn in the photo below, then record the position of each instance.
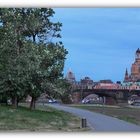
(42, 119)
(131, 115)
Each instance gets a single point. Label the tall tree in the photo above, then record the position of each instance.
(41, 30)
(33, 61)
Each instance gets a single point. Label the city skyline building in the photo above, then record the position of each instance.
(131, 81)
(70, 76)
(134, 76)
(103, 51)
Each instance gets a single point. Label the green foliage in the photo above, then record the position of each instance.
(30, 62)
(62, 90)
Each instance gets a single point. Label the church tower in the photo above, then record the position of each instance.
(138, 55)
(126, 78)
(135, 69)
(70, 76)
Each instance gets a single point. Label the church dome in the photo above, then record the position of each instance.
(138, 50)
(70, 76)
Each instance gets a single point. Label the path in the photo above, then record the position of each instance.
(99, 122)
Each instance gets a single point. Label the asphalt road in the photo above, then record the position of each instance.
(98, 122)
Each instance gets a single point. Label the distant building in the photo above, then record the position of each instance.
(106, 81)
(135, 69)
(87, 83)
(70, 76)
(131, 85)
(118, 82)
(107, 86)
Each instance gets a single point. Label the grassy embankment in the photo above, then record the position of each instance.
(128, 114)
(42, 119)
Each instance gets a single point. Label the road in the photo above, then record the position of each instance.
(99, 122)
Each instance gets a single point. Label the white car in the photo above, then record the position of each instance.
(52, 101)
(85, 101)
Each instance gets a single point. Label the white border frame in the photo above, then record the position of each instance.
(69, 3)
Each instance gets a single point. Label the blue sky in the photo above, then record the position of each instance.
(101, 41)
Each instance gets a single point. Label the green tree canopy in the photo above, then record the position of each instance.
(29, 60)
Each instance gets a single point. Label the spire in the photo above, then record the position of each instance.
(126, 78)
(126, 72)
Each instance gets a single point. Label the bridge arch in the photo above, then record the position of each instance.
(110, 97)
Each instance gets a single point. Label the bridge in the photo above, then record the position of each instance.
(113, 96)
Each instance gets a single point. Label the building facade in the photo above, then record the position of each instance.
(134, 76)
(107, 84)
(70, 77)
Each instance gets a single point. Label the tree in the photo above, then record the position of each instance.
(29, 59)
(11, 64)
(60, 90)
(41, 30)
(48, 69)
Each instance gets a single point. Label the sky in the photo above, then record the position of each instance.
(101, 41)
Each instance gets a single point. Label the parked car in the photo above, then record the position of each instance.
(85, 101)
(52, 101)
(91, 101)
(134, 100)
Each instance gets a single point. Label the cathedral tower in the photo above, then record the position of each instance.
(70, 76)
(135, 69)
(138, 55)
(126, 78)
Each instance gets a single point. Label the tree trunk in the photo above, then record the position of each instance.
(34, 38)
(14, 102)
(32, 104)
